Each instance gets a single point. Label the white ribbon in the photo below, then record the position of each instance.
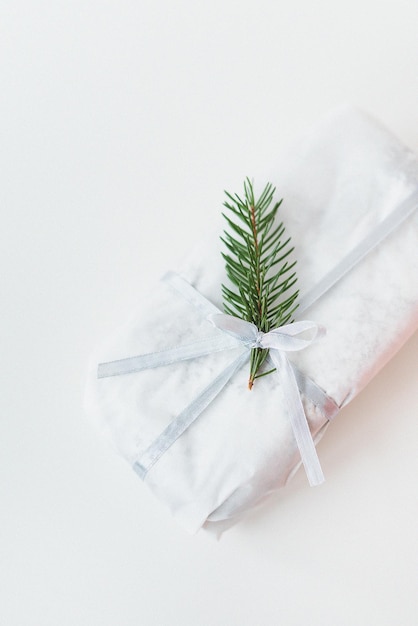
(288, 338)
(235, 332)
(278, 341)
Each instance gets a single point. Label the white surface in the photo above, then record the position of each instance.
(121, 123)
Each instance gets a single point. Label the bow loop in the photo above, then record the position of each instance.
(293, 337)
(245, 332)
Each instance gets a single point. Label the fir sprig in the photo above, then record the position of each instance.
(257, 265)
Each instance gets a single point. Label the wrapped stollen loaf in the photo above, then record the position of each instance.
(170, 389)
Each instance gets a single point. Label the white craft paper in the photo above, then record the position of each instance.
(338, 183)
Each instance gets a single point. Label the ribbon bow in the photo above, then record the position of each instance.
(288, 338)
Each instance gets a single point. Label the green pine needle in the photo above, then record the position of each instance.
(257, 264)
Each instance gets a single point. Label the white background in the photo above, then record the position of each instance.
(121, 124)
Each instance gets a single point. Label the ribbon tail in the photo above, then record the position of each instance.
(297, 418)
(186, 418)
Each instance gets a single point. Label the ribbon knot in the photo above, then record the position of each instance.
(258, 343)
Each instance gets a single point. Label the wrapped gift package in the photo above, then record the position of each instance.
(350, 194)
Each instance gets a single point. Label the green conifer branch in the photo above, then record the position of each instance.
(257, 264)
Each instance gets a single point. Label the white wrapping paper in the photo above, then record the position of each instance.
(338, 184)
